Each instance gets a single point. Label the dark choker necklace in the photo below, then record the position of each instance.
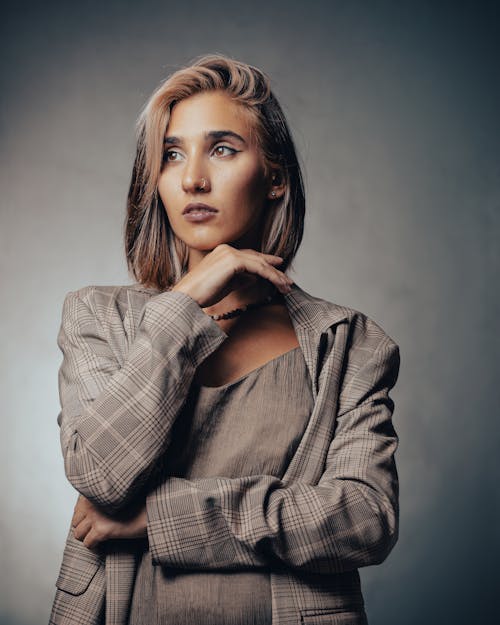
(270, 299)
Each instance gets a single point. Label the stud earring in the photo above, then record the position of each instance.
(273, 193)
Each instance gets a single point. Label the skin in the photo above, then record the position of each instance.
(236, 183)
(224, 270)
(91, 526)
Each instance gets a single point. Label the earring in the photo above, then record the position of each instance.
(273, 193)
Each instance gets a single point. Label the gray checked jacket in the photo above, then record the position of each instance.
(129, 357)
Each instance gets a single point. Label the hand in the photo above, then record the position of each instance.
(226, 268)
(91, 526)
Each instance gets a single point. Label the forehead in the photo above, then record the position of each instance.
(209, 110)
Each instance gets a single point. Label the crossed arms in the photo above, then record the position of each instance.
(115, 424)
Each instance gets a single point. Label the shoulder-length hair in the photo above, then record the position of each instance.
(156, 257)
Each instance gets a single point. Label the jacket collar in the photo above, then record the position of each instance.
(311, 318)
(312, 313)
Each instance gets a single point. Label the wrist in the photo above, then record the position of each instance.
(180, 288)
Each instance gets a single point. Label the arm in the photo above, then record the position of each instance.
(115, 421)
(348, 520)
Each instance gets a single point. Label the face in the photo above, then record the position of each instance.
(210, 158)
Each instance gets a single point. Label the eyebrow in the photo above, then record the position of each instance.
(212, 134)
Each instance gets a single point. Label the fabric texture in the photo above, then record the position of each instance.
(129, 357)
(249, 426)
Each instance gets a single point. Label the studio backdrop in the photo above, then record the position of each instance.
(394, 110)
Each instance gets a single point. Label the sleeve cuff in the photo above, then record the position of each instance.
(186, 528)
(186, 323)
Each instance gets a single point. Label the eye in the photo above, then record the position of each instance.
(224, 147)
(168, 154)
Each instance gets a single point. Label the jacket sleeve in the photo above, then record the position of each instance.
(116, 418)
(349, 519)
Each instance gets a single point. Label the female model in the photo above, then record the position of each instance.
(230, 435)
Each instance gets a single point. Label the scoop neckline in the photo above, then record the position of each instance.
(204, 388)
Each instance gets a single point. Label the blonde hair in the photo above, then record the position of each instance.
(155, 255)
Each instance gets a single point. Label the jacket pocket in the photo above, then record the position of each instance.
(79, 566)
(327, 616)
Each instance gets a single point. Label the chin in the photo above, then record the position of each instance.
(210, 240)
(203, 244)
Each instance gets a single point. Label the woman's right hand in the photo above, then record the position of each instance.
(227, 268)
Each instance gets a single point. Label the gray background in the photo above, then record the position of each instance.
(394, 107)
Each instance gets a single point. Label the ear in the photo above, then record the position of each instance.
(277, 186)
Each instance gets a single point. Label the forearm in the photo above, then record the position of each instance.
(222, 523)
(116, 421)
(347, 520)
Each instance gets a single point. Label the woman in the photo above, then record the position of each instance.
(230, 435)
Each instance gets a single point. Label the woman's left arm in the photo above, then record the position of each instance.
(349, 519)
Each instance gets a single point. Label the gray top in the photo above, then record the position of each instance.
(250, 426)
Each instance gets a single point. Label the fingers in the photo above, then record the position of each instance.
(261, 267)
(92, 539)
(82, 507)
(226, 268)
(92, 530)
(81, 530)
(266, 264)
(270, 258)
(80, 511)
(85, 523)
(229, 249)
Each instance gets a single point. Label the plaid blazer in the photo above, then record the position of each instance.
(129, 356)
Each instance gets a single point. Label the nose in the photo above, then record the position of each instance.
(194, 178)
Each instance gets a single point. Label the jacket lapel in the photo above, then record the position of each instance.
(311, 318)
(314, 321)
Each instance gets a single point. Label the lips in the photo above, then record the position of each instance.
(198, 207)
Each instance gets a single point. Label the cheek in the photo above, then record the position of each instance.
(248, 186)
(165, 192)
(163, 186)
